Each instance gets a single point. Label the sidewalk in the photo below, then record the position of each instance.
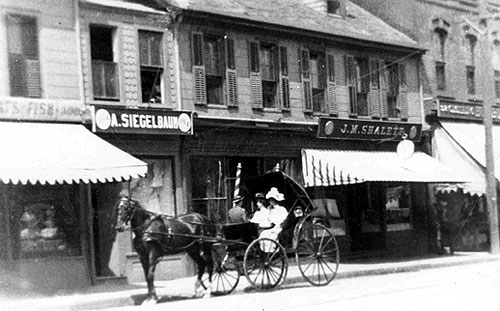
(115, 295)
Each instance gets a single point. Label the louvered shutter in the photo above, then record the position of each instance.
(330, 85)
(284, 81)
(350, 82)
(374, 95)
(305, 75)
(403, 93)
(255, 79)
(33, 78)
(383, 90)
(200, 88)
(231, 76)
(17, 73)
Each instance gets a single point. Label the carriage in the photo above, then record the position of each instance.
(237, 249)
(264, 262)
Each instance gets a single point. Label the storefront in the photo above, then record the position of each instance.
(155, 136)
(375, 190)
(46, 172)
(458, 141)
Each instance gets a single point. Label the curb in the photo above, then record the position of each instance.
(125, 298)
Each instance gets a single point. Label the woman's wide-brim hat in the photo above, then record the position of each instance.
(275, 194)
(260, 195)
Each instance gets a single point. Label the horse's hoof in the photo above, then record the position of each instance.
(149, 302)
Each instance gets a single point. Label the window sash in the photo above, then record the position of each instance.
(150, 48)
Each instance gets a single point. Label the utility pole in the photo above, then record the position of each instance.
(486, 73)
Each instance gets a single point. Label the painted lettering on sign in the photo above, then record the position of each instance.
(367, 130)
(42, 110)
(146, 121)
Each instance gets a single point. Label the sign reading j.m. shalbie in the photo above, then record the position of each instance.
(367, 130)
(142, 121)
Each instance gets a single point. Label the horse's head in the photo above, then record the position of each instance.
(124, 210)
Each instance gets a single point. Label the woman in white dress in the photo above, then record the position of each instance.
(276, 217)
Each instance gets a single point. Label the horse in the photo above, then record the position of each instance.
(156, 235)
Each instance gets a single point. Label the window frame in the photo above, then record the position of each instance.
(114, 63)
(27, 64)
(150, 66)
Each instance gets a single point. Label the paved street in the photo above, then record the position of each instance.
(469, 287)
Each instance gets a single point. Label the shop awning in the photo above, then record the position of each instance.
(334, 167)
(470, 136)
(49, 153)
(447, 150)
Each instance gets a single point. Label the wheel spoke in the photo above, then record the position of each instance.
(326, 264)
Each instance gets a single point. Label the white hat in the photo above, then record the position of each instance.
(275, 194)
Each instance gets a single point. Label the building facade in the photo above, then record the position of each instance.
(50, 158)
(460, 73)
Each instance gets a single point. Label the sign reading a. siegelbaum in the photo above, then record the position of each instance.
(142, 121)
(368, 130)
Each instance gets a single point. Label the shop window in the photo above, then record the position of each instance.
(213, 181)
(151, 58)
(155, 192)
(214, 69)
(48, 226)
(398, 208)
(104, 63)
(24, 62)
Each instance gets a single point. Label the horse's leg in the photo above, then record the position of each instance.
(200, 262)
(206, 254)
(151, 259)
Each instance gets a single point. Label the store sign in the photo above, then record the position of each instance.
(141, 121)
(467, 111)
(34, 109)
(367, 130)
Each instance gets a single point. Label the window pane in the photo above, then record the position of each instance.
(211, 52)
(471, 81)
(151, 78)
(101, 43)
(440, 76)
(269, 92)
(267, 63)
(214, 90)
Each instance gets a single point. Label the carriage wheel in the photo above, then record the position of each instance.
(225, 275)
(265, 264)
(317, 254)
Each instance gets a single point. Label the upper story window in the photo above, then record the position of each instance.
(333, 6)
(214, 69)
(471, 42)
(269, 84)
(440, 35)
(318, 81)
(151, 58)
(24, 61)
(104, 62)
(358, 82)
(396, 85)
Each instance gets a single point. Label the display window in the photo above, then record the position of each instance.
(48, 222)
(397, 208)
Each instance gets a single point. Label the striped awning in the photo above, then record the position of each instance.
(50, 153)
(343, 167)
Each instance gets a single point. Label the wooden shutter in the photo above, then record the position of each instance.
(403, 93)
(200, 87)
(330, 85)
(284, 81)
(383, 90)
(255, 79)
(350, 81)
(17, 76)
(305, 75)
(231, 76)
(33, 78)
(374, 92)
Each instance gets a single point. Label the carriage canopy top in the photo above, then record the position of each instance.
(49, 153)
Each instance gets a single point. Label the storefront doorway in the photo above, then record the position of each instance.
(365, 217)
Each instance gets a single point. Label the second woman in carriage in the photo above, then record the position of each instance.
(270, 218)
